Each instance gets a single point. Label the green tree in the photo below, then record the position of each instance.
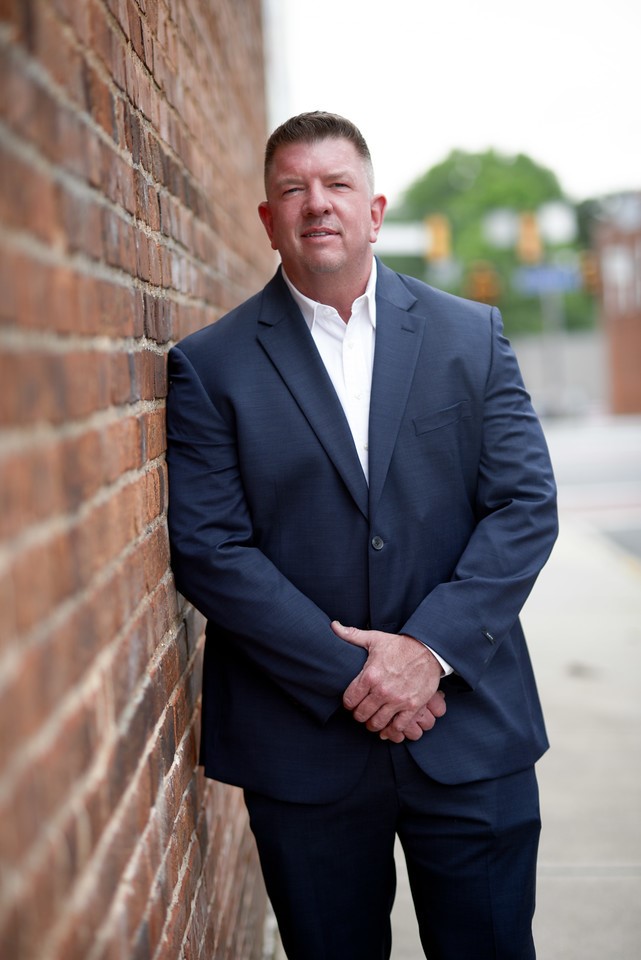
(464, 188)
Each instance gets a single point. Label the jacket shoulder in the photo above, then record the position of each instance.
(440, 301)
(236, 324)
(418, 297)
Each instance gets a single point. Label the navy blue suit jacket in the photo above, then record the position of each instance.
(275, 532)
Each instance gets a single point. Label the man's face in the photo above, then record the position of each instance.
(320, 213)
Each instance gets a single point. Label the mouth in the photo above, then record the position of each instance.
(316, 232)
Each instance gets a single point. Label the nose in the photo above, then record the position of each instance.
(317, 201)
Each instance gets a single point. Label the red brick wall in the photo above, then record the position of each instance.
(131, 134)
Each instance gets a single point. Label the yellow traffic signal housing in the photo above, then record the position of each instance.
(440, 237)
(483, 282)
(529, 247)
(590, 272)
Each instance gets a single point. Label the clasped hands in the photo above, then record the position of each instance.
(396, 693)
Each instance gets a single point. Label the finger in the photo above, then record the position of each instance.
(393, 735)
(379, 719)
(369, 708)
(414, 727)
(351, 634)
(399, 723)
(425, 719)
(403, 728)
(358, 689)
(413, 731)
(436, 704)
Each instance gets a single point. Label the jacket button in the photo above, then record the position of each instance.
(377, 543)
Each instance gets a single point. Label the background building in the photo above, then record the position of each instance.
(617, 240)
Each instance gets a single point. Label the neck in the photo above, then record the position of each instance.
(327, 288)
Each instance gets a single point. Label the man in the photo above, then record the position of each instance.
(360, 502)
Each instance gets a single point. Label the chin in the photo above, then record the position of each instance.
(329, 265)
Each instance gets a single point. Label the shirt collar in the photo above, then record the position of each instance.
(309, 307)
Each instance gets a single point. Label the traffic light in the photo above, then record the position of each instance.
(590, 272)
(482, 282)
(529, 248)
(440, 237)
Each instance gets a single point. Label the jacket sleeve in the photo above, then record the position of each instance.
(467, 618)
(219, 570)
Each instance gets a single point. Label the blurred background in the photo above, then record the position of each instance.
(507, 144)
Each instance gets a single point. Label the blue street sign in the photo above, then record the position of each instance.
(547, 278)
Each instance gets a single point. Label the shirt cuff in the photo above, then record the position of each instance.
(447, 669)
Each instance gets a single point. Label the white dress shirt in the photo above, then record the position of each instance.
(347, 350)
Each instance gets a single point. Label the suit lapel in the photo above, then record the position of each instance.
(286, 339)
(399, 336)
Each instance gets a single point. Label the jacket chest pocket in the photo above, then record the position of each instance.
(443, 418)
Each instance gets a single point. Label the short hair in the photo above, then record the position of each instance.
(312, 127)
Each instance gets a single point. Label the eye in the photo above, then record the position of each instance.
(291, 190)
(340, 185)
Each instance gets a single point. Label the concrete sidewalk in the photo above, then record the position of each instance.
(583, 624)
(584, 627)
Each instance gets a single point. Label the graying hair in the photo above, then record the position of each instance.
(315, 126)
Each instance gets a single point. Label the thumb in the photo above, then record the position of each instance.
(351, 634)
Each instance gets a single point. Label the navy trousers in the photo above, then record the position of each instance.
(470, 851)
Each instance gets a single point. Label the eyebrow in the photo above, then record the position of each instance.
(290, 178)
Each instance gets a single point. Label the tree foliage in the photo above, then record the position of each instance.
(465, 187)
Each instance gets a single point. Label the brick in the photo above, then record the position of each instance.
(142, 256)
(102, 35)
(119, 9)
(48, 670)
(59, 477)
(29, 200)
(57, 53)
(81, 219)
(8, 612)
(43, 576)
(100, 884)
(158, 318)
(29, 489)
(156, 557)
(123, 379)
(40, 790)
(46, 385)
(76, 15)
(153, 434)
(41, 901)
(135, 29)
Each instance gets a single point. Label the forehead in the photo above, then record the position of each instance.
(318, 157)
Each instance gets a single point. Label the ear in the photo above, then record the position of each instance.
(267, 220)
(377, 207)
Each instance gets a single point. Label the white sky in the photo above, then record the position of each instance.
(559, 80)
